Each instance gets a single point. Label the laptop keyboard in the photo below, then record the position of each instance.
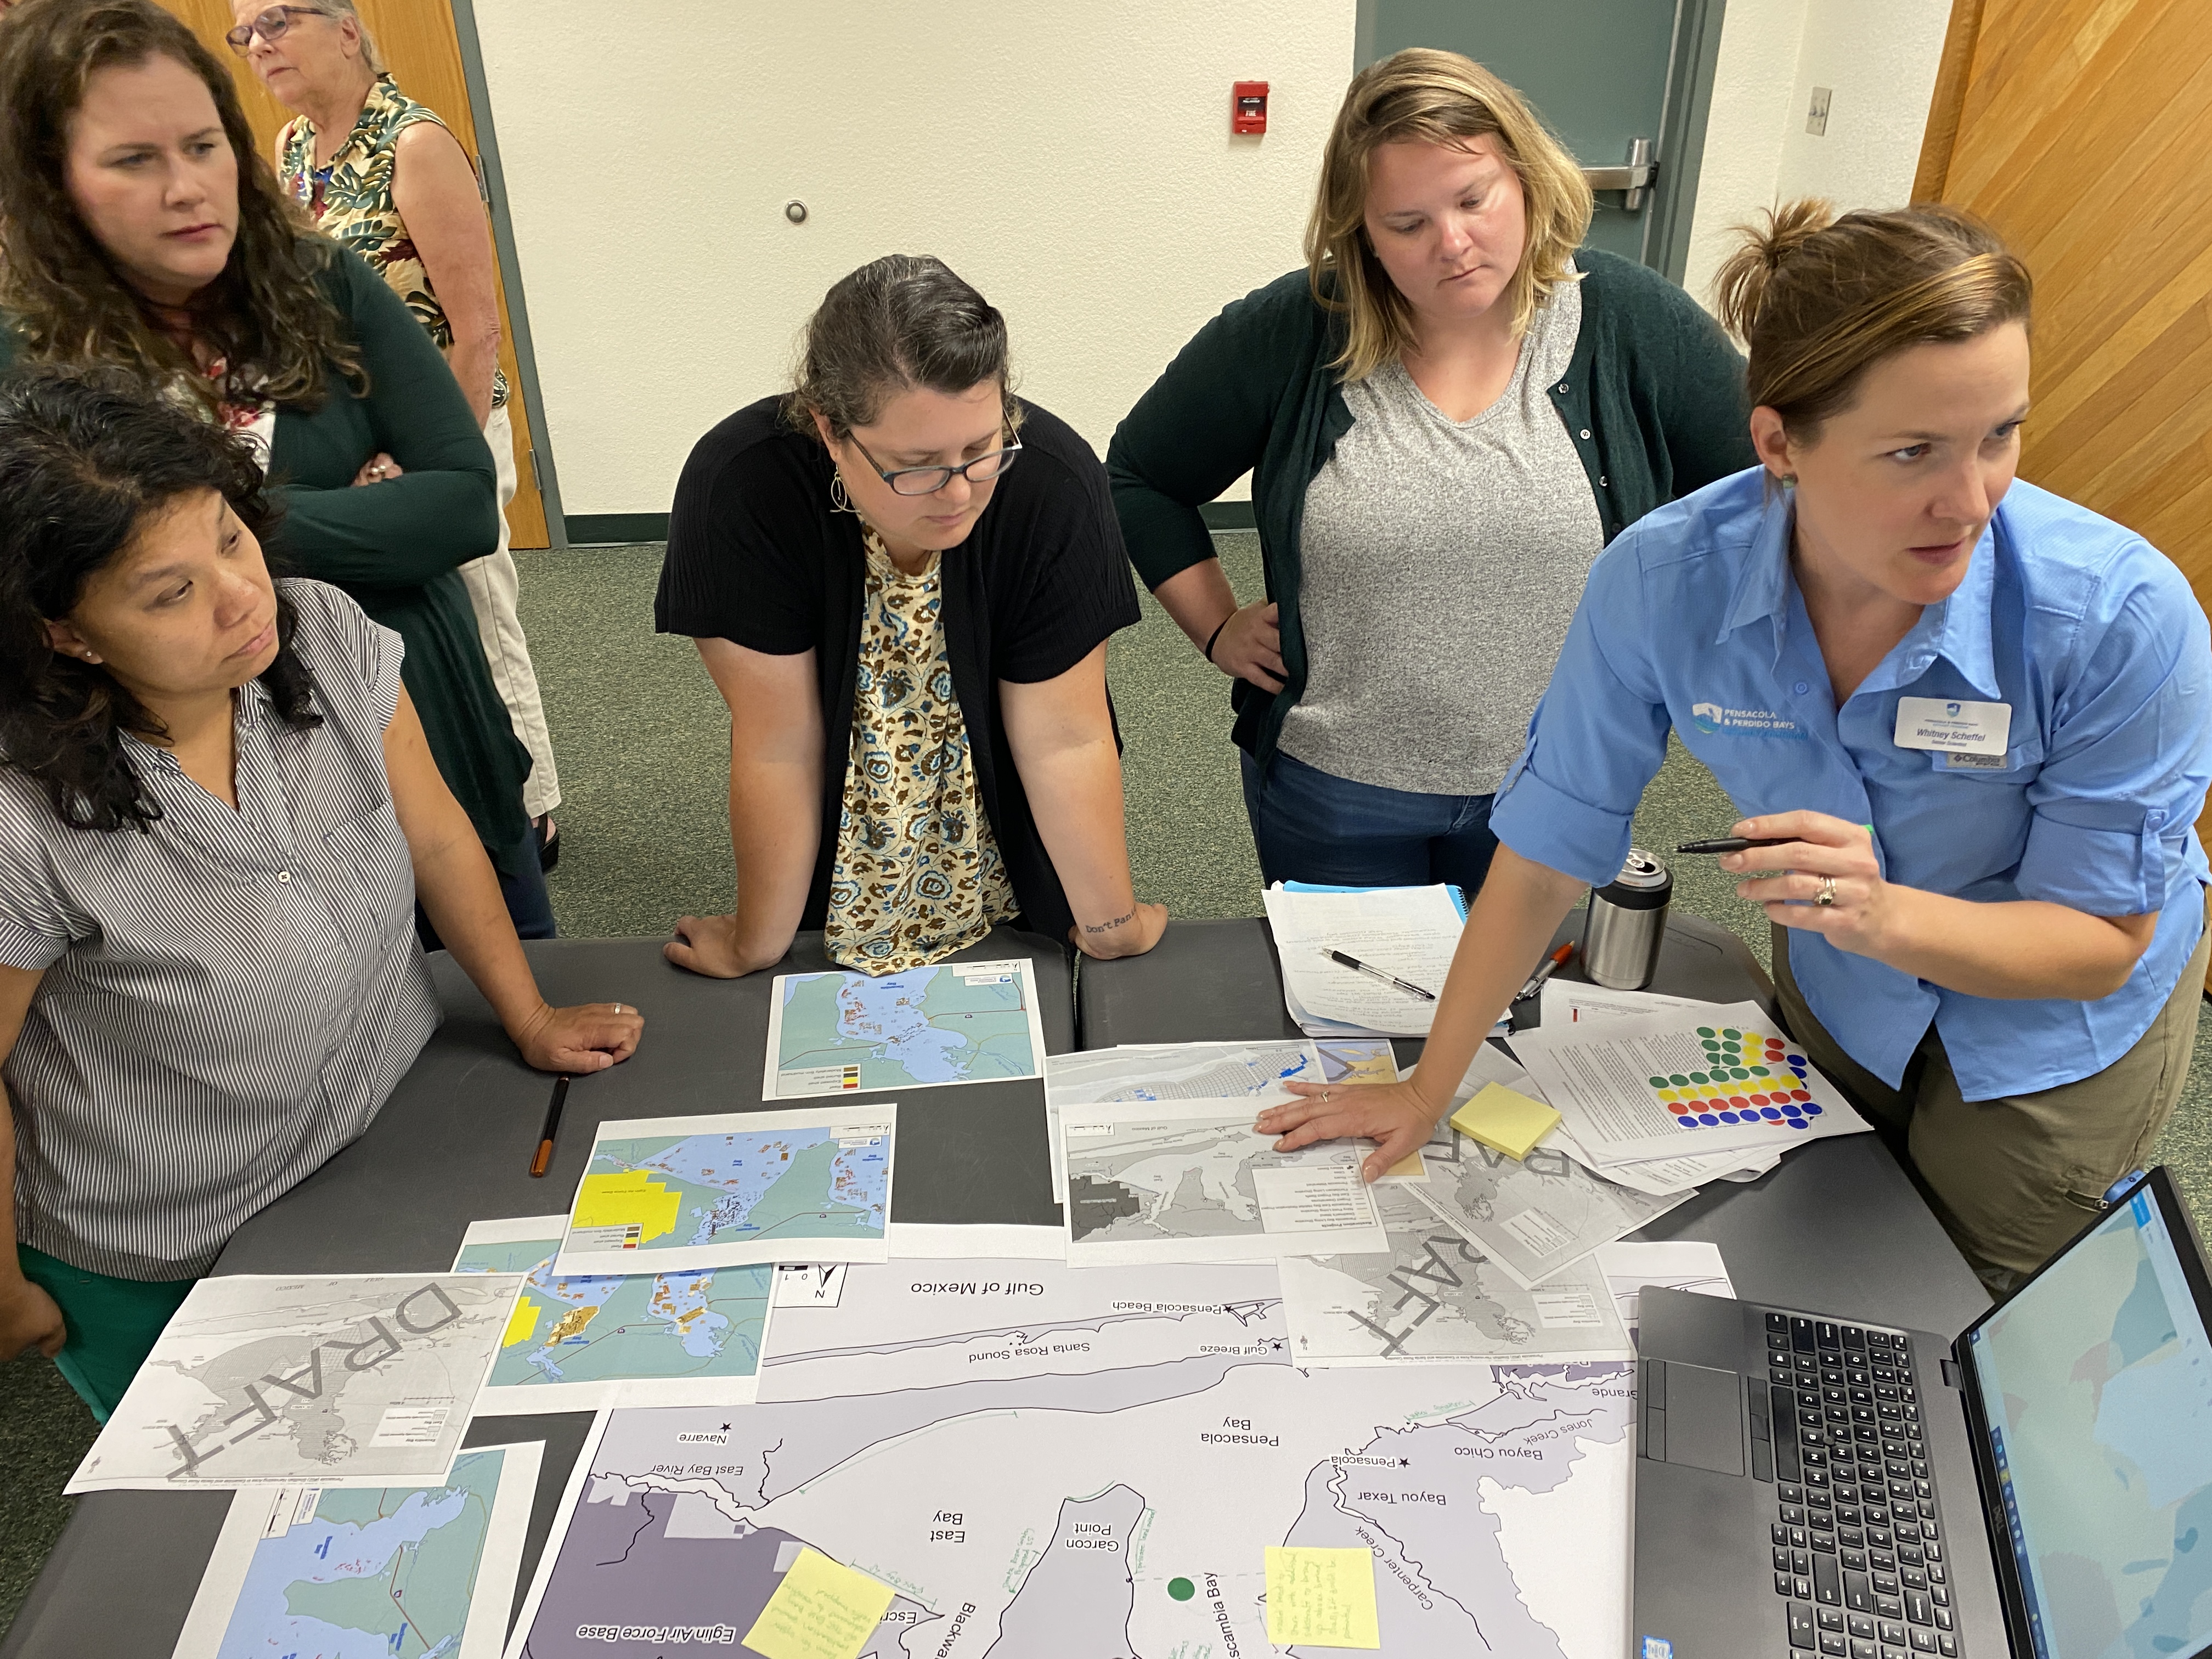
(1858, 1541)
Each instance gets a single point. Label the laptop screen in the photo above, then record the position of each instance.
(2096, 1381)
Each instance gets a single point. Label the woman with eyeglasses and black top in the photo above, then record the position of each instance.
(902, 579)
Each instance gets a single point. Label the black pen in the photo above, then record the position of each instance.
(1727, 844)
(552, 1126)
(1357, 966)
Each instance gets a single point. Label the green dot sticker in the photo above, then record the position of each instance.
(1760, 1071)
(1699, 1077)
(1732, 1033)
(1704, 1031)
(1678, 1079)
(1181, 1589)
(1658, 1082)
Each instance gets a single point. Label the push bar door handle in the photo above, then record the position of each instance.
(1635, 177)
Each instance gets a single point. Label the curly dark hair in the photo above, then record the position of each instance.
(87, 457)
(265, 314)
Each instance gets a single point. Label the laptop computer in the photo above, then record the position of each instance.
(2039, 1486)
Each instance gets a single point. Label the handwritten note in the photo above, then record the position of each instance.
(1321, 1598)
(823, 1610)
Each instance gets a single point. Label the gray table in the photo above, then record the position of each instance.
(453, 1145)
(1836, 1227)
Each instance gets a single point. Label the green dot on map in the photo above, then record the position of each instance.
(1181, 1589)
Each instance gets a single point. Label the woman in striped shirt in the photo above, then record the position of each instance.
(216, 812)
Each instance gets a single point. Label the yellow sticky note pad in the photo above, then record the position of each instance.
(1504, 1121)
(1322, 1599)
(1412, 1167)
(822, 1610)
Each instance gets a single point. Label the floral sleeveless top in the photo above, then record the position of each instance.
(918, 873)
(352, 200)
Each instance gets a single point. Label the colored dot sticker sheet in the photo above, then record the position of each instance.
(1716, 1078)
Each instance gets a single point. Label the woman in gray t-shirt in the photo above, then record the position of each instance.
(217, 812)
(1447, 415)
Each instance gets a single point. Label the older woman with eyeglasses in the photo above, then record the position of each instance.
(384, 177)
(910, 630)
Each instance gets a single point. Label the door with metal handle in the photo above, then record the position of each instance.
(1634, 180)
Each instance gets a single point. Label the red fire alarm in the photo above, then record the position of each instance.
(1248, 106)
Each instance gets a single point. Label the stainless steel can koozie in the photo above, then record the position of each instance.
(1628, 920)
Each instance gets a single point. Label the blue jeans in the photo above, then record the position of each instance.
(1310, 826)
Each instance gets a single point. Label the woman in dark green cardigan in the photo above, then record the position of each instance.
(1447, 415)
(139, 227)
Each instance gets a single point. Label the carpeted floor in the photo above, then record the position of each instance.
(643, 744)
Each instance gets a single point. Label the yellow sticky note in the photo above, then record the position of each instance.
(1412, 1167)
(822, 1610)
(1322, 1599)
(1504, 1121)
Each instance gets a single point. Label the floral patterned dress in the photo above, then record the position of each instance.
(351, 201)
(918, 873)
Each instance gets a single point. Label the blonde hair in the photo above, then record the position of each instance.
(1438, 97)
(1817, 300)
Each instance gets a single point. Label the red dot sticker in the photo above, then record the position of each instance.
(1676, 1107)
(1799, 1094)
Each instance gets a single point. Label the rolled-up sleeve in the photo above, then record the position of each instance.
(34, 924)
(1597, 738)
(2127, 759)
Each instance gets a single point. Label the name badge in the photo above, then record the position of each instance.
(1957, 728)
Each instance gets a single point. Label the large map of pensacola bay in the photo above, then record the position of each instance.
(1044, 1460)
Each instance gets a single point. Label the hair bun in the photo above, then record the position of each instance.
(1740, 286)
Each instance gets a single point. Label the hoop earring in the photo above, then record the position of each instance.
(839, 500)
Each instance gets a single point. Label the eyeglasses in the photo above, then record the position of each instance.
(928, 480)
(270, 26)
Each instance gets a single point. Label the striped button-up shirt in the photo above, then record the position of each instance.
(228, 1000)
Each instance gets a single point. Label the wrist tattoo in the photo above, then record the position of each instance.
(1109, 926)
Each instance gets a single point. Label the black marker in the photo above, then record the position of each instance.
(1728, 844)
(552, 1126)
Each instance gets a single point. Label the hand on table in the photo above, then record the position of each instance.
(1125, 936)
(377, 469)
(589, 1037)
(1249, 647)
(28, 1319)
(1817, 850)
(1392, 1114)
(710, 945)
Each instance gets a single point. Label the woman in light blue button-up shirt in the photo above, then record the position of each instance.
(1974, 716)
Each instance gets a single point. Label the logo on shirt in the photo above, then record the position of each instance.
(1712, 718)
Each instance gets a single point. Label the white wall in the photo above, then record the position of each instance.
(1074, 162)
(1879, 57)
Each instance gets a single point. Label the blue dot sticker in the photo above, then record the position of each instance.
(1771, 1113)
(1707, 1119)
(1727, 1117)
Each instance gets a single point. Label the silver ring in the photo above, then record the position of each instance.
(1826, 895)
(1326, 1097)
(618, 1007)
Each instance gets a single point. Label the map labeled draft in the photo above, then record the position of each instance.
(1191, 1180)
(1435, 1297)
(959, 1022)
(1115, 1506)
(1176, 1071)
(393, 1572)
(1536, 1217)
(575, 1343)
(2096, 1379)
(343, 1379)
(679, 1195)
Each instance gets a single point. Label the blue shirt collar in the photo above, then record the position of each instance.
(1957, 630)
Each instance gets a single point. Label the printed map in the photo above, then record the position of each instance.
(959, 1022)
(2101, 1367)
(380, 1574)
(569, 1341)
(1435, 1297)
(1192, 1181)
(350, 1379)
(1093, 1463)
(682, 1194)
(1535, 1218)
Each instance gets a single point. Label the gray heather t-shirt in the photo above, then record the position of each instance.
(1443, 560)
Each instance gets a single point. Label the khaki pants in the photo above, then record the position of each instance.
(2014, 1178)
(493, 583)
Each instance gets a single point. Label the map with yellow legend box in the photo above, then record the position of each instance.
(575, 1343)
(682, 1194)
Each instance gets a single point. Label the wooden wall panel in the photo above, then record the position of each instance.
(417, 41)
(2079, 128)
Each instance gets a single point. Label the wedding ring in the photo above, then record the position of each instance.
(1826, 895)
(1325, 1096)
(618, 1007)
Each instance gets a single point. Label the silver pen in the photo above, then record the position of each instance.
(1357, 966)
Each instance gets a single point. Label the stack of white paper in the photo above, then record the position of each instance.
(1664, 1099)
(1410, 933)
